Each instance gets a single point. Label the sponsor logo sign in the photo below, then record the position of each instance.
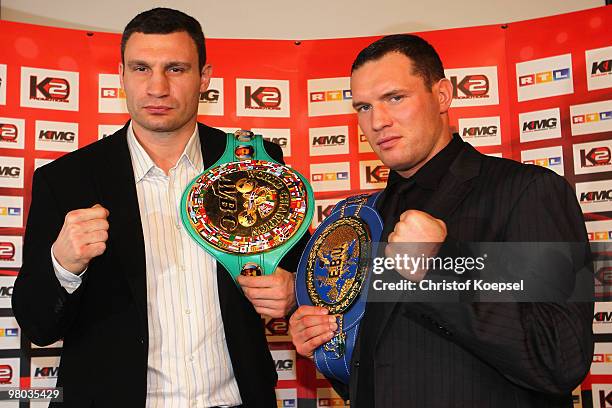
(323, 208)
(480, 131)
(550, 157)
(107, 130)
(475, 86)
(599, 68)
(602, 359)
(9, 334)
(602, 395)
(3, 79)
(49, 89)
(56, 136)
(594, 157)
(11, 172)
(277, 329)
(12, 133)
(43, 371)
(262, 97)
(595, 117)
(327, 397)
(284, 360)
(9, 372)
(211, 100)
(6, 288)
(602, 319)
(330, 176)
(11, 248)
(544, 77)
(364, 145)
(599, 230)
(372, 175)
(281, 137)
(286, 398)
(328, 140)
(330, 96)
(540, 125)
(594, 196)
(603, 278)
(11, 212)
(111, 97)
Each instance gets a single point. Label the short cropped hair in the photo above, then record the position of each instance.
(163, 20)
(425, 60)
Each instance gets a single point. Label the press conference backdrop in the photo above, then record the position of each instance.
(537, 91)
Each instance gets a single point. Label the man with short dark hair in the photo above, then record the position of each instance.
(441, 190)
(148, 318)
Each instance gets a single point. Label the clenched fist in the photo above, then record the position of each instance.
(82, 238)
(415, 234)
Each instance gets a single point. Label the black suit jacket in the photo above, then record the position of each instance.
(446, 355)
(104, 322)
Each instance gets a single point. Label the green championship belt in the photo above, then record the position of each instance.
(247, 210)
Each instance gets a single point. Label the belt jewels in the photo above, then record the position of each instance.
(334, 273)
(246, 209)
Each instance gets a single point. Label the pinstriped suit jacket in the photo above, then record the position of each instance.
(446, 355)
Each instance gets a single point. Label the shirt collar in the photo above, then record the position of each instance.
(143, 164)
(431, 173)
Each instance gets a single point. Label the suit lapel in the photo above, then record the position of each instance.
(116, 188)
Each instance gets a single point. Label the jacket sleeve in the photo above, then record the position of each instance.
(544, 346)
(41, 305)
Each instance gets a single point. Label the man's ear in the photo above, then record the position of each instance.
(444, 89)
(205, 76)
(120, 69)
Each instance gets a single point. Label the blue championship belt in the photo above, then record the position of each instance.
(334, 273)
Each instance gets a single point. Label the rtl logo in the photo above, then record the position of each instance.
(57, 136)
(597, 156)
(592, 117)
(377, 174)
(8, 132)
(340, 175)
(7, 251)
(470, 87)
(544, 124)
(480, 131)
(6, 171)
(209, 96)
(544, 77)
(329, 140)
(601, 68)
(596, 196)
(6, 373)
(112, 93)
(264, 97)
(49, 89)
(331, 96)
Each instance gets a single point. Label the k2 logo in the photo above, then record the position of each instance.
(471, 86)
(49, 88)
(264, 97)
